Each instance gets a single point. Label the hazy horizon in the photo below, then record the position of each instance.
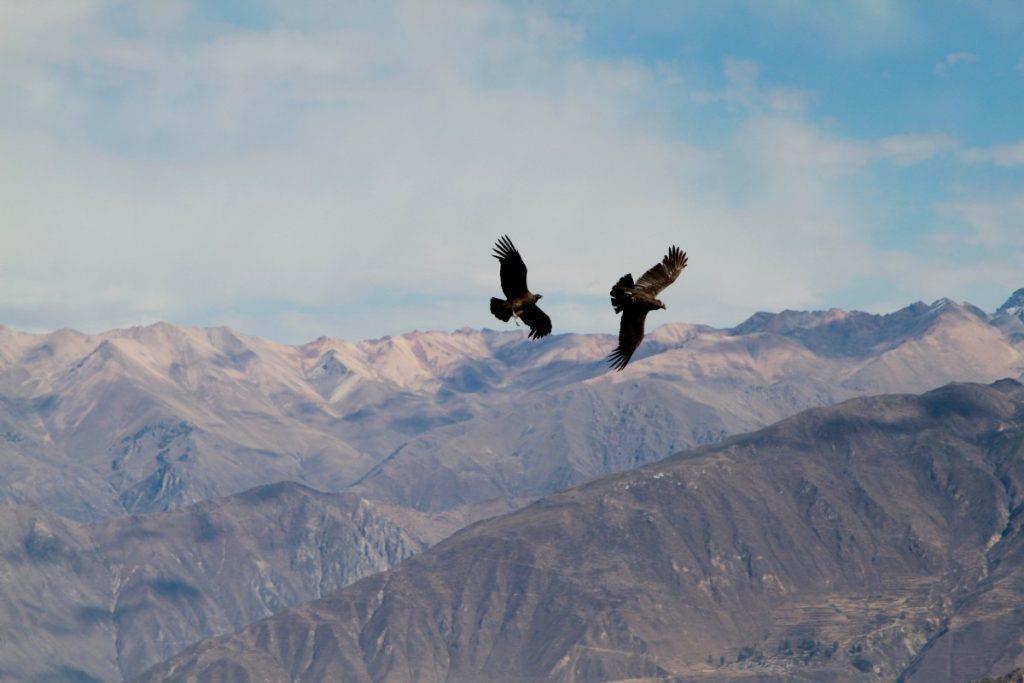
(496, 327)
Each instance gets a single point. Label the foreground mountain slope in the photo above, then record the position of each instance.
(841, 544)
(105, 601)
(979, 637)
(1015, 676)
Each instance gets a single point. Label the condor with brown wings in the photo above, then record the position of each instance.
(519, 301)
(635, 301)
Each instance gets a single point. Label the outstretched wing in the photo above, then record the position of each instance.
(513, 270)
(631, 333)
(537, 320)
(665, 273)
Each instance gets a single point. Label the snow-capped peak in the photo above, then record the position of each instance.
(1014, 305)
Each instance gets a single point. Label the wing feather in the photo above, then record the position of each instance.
(513, 270)
(537, 320)
(631, 333)
(665, 273)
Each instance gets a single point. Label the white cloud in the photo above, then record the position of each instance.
(1011, 154)
(953, 59)
(743, 90)
(906, 150)
(290, 175)
(994, 223)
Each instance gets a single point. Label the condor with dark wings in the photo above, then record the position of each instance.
(635, 301)
(519, 301)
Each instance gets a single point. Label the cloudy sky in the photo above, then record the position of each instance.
(303, 168)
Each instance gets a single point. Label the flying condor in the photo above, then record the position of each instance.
(635, 301)
(519, 301)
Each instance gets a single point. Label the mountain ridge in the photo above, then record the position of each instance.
(436, 430)
(156, 417)
(847, 543)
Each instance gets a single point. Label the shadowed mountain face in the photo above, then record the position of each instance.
(876, 539)
(154, 418)
(105, 601)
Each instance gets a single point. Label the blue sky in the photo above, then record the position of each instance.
(304, 168)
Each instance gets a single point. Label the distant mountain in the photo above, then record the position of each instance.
(1010, 317)
(107, 600)
(692, 385)
(155, 418)
(878, 540)
(1013, 306)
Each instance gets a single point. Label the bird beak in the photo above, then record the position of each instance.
(539, 297)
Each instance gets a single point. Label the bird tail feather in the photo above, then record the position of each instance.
(501, 309)
(618, 292)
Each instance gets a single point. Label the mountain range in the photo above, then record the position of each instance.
(877, 540)
(104, 438)
(154, 418)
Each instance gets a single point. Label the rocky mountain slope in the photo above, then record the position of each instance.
(154, 418)
(878, 539)
(106, 600)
